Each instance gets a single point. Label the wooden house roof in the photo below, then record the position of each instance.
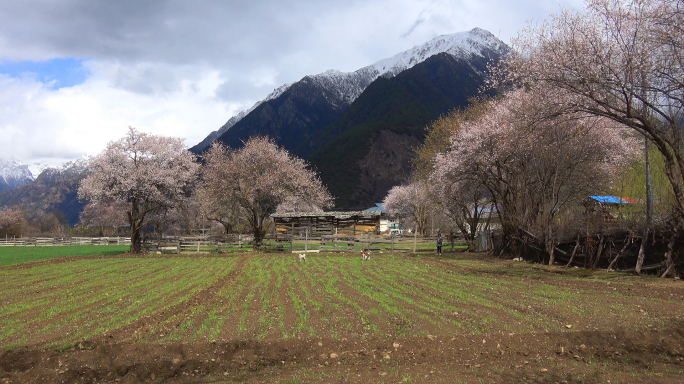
(337, 215)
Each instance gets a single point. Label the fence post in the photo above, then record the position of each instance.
(198, 246)
(306, 240)
(415, 238)
(392, 243)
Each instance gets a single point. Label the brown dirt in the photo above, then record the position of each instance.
(608, 353)
(582, 357)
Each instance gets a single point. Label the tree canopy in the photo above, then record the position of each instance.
(253, 182)
(619, 59)
(149, 173)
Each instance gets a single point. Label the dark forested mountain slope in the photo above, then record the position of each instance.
(368, 149)
(290, 119)
(359, 129)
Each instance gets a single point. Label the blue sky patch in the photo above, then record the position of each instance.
(64, 72)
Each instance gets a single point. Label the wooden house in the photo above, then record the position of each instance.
(609, 209)
(387, 223)
(326, 223)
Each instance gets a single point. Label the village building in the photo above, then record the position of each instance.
(609, 209)
(317, 224)
(387, 224)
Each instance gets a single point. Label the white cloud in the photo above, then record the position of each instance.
(184, 68)
(53, 126)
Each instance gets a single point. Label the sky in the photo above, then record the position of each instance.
(75, 74)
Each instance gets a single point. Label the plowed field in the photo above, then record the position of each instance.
(334, 318)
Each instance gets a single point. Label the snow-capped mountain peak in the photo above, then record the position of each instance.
(345, 87)
(342, 88)
(464, 45)
(233, 120)
(13, 174)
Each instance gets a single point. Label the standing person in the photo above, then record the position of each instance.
(439, 244)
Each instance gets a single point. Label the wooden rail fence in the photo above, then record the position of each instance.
(63, 241)
(241, 243)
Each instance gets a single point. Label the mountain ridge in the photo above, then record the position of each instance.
(55, 188)
(369, 148)
(345, 126)
(14, 174)
(340, 89)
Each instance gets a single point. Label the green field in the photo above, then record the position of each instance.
(274, 297)
(236, 307)
(15, 255)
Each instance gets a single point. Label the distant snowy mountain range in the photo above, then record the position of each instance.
(55, 188)
(342, 88)
(13, 174)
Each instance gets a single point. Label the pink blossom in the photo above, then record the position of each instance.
(148, 173)
(251, 183)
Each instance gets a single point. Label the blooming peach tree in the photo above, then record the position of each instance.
(106, 218)
(11, 221)
(146, 172)
(536, 165)
(618, 59)
(412, 203)
(250, 183)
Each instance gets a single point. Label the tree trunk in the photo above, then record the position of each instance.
(642, 253)
(622, 251)
(258, 232)
(598, 252)
(574, 251)
(227, 227)
(135, 221)
(669, 260)
(550, 246)
(258, 239)
(136, 238)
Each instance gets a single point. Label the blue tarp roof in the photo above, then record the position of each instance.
(616, 200)
(378, 207)
(606, 199)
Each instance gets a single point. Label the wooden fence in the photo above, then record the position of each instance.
(63, 241)
(241, 243)
(346, 243)
(199, 244)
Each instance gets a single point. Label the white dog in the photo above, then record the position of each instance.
(365, 254)
(302, 257)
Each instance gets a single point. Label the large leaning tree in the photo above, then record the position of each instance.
(536, 166)
(619, 59)
(250, 183)
(147, 173)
